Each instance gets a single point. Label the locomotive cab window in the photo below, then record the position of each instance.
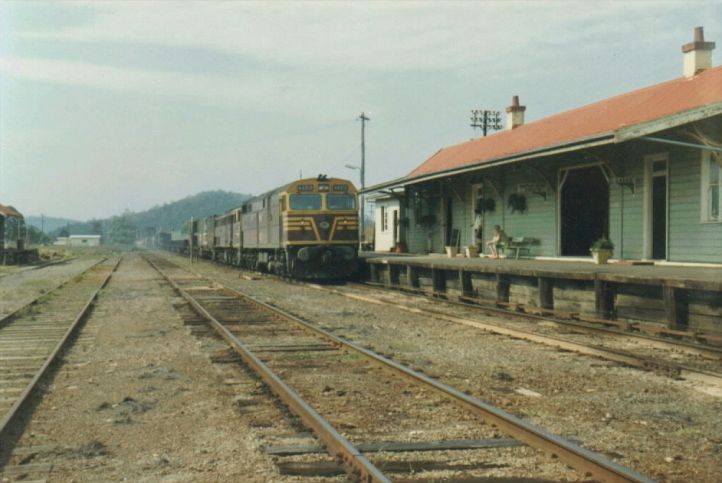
(305, 202)
(340, 202)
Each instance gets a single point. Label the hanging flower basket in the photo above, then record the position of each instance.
(517, 202)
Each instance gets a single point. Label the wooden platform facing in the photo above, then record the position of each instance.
(12, 256)
(679, 298)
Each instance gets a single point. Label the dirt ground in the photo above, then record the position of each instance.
(138, 400)
(19, 285)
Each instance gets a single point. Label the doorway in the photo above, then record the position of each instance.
(396, 240)
(448, 220)
(477, 198)
(656, 210)
(584, 210)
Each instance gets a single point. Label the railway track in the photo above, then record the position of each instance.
(702, 361)
(610, 328)
(33, 337)
(317, 365)
(375, 295)
(693, 371)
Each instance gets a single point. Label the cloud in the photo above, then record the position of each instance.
(317, 57)
(217, 90)
(337, 36)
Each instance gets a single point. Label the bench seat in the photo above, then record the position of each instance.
(520, 246)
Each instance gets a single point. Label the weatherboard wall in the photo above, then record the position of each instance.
(690, 238)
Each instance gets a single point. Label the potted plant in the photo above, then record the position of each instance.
(471, 252)
(602, 250)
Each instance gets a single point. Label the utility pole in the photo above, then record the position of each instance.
(485, 120)
(362, 201)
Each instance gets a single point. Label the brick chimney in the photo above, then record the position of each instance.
(515, 114)
(697, 54)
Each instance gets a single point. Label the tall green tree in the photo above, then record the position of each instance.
(122, 229)
(37, 237)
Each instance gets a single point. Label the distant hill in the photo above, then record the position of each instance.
(172, 215)
(168, 216)
(49, 223)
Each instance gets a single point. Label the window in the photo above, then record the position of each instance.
(384, 219)
(305, 202)
(340, 202)
(711, 198)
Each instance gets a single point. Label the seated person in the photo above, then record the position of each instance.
(499, 237)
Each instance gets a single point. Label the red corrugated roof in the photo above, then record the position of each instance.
(8, 211)
(604, 117)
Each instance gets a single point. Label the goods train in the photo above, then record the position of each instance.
(305, 229)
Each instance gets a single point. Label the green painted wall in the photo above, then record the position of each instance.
(690, 239)
(625, 209)
(417, 234)
(538, 221)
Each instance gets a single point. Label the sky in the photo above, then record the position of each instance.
(112, 106)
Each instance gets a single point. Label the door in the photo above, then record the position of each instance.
(477, 196)
(657, 209)
(448, 220)
(396, 227)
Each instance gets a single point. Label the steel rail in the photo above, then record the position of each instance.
(336, 444)
(707, 351)
(616, 355)
(32, 385)
(5, 319)
(579, 458)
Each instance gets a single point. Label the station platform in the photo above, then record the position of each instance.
(678, 298)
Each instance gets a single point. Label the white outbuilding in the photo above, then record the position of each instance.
(83, 241)
(388, 221)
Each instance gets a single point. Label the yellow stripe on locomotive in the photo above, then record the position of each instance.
(319, 211)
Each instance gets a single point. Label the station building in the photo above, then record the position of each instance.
(643, 169)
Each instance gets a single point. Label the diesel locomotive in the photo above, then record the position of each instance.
(306, 229)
